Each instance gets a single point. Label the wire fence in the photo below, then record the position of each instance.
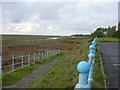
(10, 64)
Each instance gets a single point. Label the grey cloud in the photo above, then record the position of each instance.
(60, 17)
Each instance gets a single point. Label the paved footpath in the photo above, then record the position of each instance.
(35, 75)
(110, 55)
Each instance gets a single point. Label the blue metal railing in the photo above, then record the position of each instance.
(86, 69)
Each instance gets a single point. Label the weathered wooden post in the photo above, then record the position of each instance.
(83, 67)
(0, 64)
(13, 63)
(34, 57)
(22, 61)
(38, 56)
(28, 59)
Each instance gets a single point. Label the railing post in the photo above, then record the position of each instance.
(34, 57)
(12, 63)
(22, 61)
(47, 54)
(38, 56)
(0, 64)
(92, 49)
(28, 59)
(83, 67)
(42, 56)
(91, 63)
(94, 42)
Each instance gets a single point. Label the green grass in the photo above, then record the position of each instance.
(65, 74)
(109, 39)
(12, 77)
(98, 77)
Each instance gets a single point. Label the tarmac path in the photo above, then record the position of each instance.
(110, 52)
(35, 75)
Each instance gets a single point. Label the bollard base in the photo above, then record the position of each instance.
(82, 87)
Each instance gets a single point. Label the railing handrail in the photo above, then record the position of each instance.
(86, 68)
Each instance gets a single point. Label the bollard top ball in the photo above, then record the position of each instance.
(92, 47)
(83, 67)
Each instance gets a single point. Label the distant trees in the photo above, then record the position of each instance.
(77, 35)
(107, 32)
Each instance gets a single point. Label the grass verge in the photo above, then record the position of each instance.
(98, 76)
(65, 74)
(11, 77)
(109, 39)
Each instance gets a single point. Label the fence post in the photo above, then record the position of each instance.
(42, 56)
(47, 54)
(28, 59)
(0, 64)
(38, 56)
(83, 67)
(22, 62)
(34, 57)
(12, 63)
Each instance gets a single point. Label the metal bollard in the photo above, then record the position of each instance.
(83, 67)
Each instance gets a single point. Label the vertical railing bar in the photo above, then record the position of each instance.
(0, 64)
(28, 59)
(34, 57)
(12, 62)
(22, 61)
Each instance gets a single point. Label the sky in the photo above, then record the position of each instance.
(57, 17)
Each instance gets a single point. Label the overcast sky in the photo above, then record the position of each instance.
(57, 18)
